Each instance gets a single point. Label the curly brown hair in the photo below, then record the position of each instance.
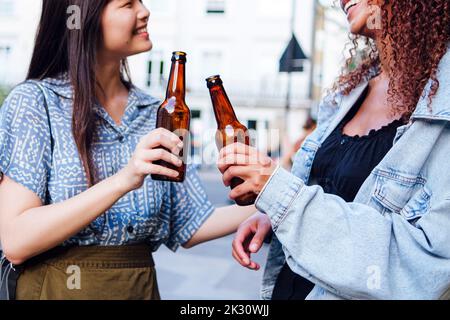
(417, 34)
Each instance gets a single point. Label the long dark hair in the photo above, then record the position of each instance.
(59, 49)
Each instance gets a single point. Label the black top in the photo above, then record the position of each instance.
(340, 167)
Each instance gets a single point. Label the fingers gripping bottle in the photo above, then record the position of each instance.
(229, 129)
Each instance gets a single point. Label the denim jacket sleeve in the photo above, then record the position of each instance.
(353, 250)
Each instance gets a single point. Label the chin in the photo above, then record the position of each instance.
(359, 27)
(148, 47)
(151, 45)
(141, 48)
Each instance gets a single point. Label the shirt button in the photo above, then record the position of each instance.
(121, 139)
(130, 229)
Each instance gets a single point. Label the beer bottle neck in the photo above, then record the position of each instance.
(177, 80)
(223, 109)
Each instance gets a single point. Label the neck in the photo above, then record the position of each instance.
(109, 82)
(385, 53)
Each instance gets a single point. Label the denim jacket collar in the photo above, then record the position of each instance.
(345, 103)
(439, 109)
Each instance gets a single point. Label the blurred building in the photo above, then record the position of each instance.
(240, 40)
(18, 22)
(243, 42)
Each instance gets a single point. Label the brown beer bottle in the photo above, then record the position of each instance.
(229, 129)
(174, 115)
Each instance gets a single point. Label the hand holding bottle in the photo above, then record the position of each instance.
(149, 151)
(229, 131)
(245, 162)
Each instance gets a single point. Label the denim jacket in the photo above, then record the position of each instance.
(393, 240)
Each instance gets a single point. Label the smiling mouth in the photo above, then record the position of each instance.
(141, 30)
(350, 5)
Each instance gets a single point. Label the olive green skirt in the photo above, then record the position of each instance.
(90, 273)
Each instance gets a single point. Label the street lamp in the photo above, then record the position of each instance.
(291, 61)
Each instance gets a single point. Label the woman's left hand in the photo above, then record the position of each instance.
(245, 162)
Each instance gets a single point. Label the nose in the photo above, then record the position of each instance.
(143, 13)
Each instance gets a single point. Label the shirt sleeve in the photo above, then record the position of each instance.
(353, 250)
(25, 142)
(189, 209)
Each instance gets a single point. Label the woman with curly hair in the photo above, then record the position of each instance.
(365, 212)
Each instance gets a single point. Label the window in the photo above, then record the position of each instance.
(252, 124)
(5, 64)
(215, 6)
(6, 7)
(5, 50)
(161, 73)
(196, 114)
(155, 70)
(197, 129)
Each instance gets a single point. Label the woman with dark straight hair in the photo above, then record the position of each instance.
(78, 208)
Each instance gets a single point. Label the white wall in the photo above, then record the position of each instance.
(333, 41)
(17, 31)
(244, 45)
(248, 41)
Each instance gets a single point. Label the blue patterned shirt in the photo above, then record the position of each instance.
(157, 213)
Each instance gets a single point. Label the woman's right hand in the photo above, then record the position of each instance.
(147, 152)
(250, 238)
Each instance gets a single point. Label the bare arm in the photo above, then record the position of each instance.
(27, 228)
(222, 222)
